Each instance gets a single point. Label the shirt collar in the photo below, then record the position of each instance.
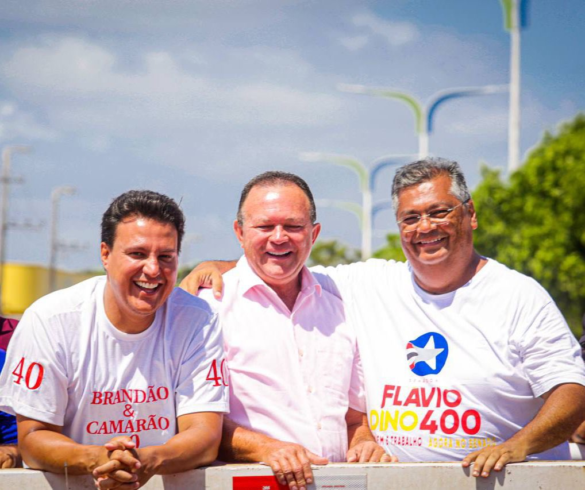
(248, 279)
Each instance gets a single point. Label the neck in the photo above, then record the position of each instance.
(122, 321)
(289, 292)
(445, 278)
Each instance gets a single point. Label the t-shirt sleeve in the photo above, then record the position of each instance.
(203, 374)
(357, 391)
(34, 379)
(550, 353)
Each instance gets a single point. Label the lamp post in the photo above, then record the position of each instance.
(65, 190)
(367, 177)
(423, 114)
(7, 152)
(515, 18)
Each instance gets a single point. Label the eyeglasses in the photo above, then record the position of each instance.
(438, 216)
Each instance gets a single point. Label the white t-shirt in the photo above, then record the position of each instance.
(449, 374)
(67, 365)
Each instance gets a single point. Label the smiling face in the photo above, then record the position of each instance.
(142, 270)
(277, 233)
(430, 243)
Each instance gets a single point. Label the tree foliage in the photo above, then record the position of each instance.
(392, 250)
(332, 252)
(535, 223)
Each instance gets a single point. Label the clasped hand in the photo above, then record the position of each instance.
(122, 470)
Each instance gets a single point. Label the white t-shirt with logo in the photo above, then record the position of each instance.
(67, 365)
(449, 374)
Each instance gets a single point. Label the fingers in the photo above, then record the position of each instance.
(486, 460)
(369, 452)
(204, 278)
(316, 459)
(289, 470)
(291, 465)
(7, 462)
(109, 483)
(120, 442)
(217, 284)
(387, 458)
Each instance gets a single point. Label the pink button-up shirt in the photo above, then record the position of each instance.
(293, 374)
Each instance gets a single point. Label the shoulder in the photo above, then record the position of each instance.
(230, 280)
(68, 301)
(514, 284)
(370, 272)
(180, 301)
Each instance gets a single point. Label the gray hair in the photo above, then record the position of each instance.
(425, 170)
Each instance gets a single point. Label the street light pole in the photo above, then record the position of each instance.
(7, 152)
(65, 190)
(515, 13)
(423, 114)
(367, 178)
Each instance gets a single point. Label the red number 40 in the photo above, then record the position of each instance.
(34, 368)
(222, 376)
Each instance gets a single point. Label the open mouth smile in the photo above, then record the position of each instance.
(279, 254)
(147, 286)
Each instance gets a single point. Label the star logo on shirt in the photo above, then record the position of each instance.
(427, 354)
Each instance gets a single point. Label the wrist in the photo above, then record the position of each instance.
(150, 460)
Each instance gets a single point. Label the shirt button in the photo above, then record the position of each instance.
(300, 352)
(310, 389)
(319, 426)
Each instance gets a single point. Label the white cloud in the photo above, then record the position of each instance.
(18, 124)
(81, 84)
(395, 33)
(354, 43)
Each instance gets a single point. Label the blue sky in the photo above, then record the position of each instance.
(193, 98)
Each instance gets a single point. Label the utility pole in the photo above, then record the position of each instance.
(7, 152)
(65, 190)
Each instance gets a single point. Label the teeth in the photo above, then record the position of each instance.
(278, 254)
(146, 285)
(431, 241)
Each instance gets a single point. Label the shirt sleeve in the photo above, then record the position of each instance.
(550, 353)
(204, 375)
(357, 392)
(34, 379)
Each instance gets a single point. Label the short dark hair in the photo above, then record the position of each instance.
(427, 169)
(276, 177)
(146, 204)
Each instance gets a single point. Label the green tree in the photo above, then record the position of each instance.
(536, 222)
(392, 250)
(332, 252)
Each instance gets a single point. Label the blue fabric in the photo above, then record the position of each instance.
(8, 434)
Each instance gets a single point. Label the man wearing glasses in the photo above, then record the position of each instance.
(464, 359)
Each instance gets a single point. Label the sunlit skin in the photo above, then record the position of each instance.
(277, 236)
(442, 256)
(142, 271)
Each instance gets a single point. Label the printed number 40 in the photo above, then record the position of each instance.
(34, 368)
(218, 378)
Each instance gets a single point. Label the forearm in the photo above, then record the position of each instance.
(239, 444)
(555, 422)
(357, 428)
(50, 451)
(189, 449)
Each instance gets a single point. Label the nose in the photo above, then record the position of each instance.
(279, 235)
(151, 267)
(425, 224)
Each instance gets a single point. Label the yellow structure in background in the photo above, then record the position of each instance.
(24, 283)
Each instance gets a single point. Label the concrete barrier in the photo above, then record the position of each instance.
(542, 475)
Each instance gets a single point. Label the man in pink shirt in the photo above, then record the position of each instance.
(296, 387)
